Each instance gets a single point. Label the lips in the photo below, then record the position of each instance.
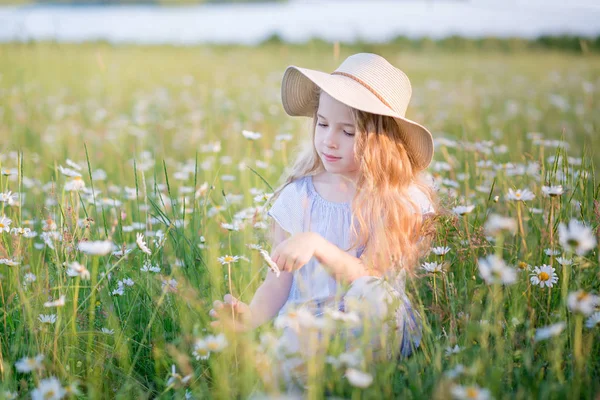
(330, 156)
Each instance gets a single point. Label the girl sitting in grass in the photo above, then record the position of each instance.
(349, 220)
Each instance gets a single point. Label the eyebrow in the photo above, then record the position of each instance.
(343, 123)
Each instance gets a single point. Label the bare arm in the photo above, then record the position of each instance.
(274, 291)
(341, 265)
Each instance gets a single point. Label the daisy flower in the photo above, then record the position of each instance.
(440, 250)
(544, 276)
(474, 392)
(107, 331)
(576, 237)
(564, 261)
(49, 389)
(251, 135)
(272, 265)
(582, 302)
(201, 351)
(56, 303)
(75, 184)
(550, 252)
(549, 331)
(494, 270)
(9, 262)
(76, 269)
(142, 244)
(227, 259)
(5, 224)
(216, 343)
(552, 191)
(47, 318)
(520, 195)
(593, 320)
(496, 224)
(98, 248)
(358, 378)
(462, 210)
(433, 267)
(28, 364)
(9, 198)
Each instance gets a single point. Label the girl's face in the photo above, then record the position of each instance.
(334, 136)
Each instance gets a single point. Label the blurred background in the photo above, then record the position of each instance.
(546, 23)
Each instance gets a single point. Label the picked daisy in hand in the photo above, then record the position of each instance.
(142, 244)
(265, 255)
(544, 276)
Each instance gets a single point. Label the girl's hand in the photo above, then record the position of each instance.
(231, 314)
(296, 251)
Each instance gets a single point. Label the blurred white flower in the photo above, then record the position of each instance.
(462, 210)
(453, 350)
(99, 248)
(47, 318)
(9, 262)
(543, 276)
(141, 244)
(49, 389)
(56, 303)
(593, 320)
(582, 302)
(358, 378)
(201, 351)
(216, 343)
(552, 191)
(272, 265)
(8, 198)
(564, 261)
(440, 250)
(175, 379)
(520, 195)
(76, 269)
(28, 364)
(107, 331)
(75, 184)
(550, 252)
(473, 392)
(494, 270)
(496, 224)
(433, 267)
(549, 331)
(251, 135)
(5, 224)
(576, 237)
(227, 259)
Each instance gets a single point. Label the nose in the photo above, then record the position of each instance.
(329, 141)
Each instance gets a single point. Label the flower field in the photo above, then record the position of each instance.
(134, 187)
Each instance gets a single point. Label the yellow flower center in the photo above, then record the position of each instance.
(2, 225)
(213, 346)
(77, 178)
(522, 265)
(543, 276)
(49, 394)
(472, 393)
(582, 296)
(228, 259)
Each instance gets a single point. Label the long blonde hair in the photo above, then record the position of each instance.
(391, 226)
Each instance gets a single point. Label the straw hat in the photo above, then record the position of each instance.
(364, 81)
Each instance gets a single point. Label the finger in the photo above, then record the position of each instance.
(215, 324)
(229, 299)
(217, 305)
(289, 264)
(213, 313)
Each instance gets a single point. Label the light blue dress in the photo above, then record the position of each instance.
(300, 208)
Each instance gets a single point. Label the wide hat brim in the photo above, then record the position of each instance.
(298, 94)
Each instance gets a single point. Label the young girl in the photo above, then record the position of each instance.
(352, 210)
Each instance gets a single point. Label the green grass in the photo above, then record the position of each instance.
(104, 106)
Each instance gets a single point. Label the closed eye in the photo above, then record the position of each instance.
(347, 133)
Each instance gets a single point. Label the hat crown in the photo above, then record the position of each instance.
(387, 82)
